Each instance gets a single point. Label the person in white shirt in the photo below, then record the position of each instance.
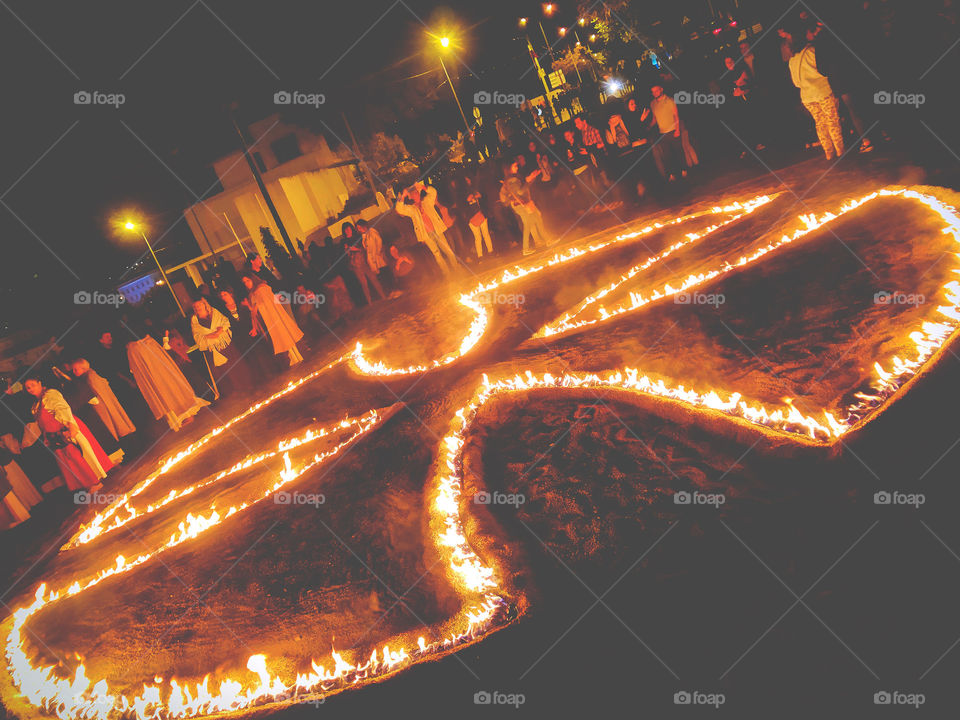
(419, 203)
(817, 97)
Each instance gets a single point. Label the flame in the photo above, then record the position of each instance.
(71, 695)
(472, 300)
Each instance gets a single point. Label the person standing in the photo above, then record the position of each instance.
(818, 98)
(256, 354)
(108, 407)
(357, 256)
(479, 225)
(82, 461)
(516, 193)
(162, 384)
(373, 246)
(592, 143)
(419, 204)
(836, 62)
(668, 150)
(83, 401)
(214, 337)
(255, 266)
(273, 319)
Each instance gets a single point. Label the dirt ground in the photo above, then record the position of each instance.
(627, 595)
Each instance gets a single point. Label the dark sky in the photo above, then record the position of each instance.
(180, 64)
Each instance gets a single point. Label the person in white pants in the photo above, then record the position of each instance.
(479, 225)
(419, 203)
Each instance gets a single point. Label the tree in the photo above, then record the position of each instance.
(625, 32)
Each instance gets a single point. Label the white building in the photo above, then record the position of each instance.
(308, 182)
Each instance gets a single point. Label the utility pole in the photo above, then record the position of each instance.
(263, 188)
(356, 151)
(543, 78)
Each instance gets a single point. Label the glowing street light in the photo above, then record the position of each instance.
(562, 31)
(523, 22)
(548, 9)
(593, 38)
(445, 43)
(582, 21)
(133, 227)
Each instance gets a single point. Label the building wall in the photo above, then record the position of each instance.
(306, 191)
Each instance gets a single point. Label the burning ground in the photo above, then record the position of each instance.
(597, 467)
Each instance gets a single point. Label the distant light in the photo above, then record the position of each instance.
(593, 38)
(716, 31)
(523, 22)
(733, 23)
(582, 21)
(445, 41)
(562, 31)
(159, 282)
(129, 225)
(613, 86)
(548, 9)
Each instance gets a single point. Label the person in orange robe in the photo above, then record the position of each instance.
(274, 319)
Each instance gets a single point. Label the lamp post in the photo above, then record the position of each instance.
(132, 227)
(541, 73)
(444, 44)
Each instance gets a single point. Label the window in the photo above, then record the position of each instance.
(286, 148)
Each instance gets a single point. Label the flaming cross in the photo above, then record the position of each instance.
(484, 606)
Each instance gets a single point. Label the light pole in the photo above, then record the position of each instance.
(444, 44)
(541, 73)
(132, 227)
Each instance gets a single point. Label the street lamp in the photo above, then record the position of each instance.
(131, 226)
(445, 42)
